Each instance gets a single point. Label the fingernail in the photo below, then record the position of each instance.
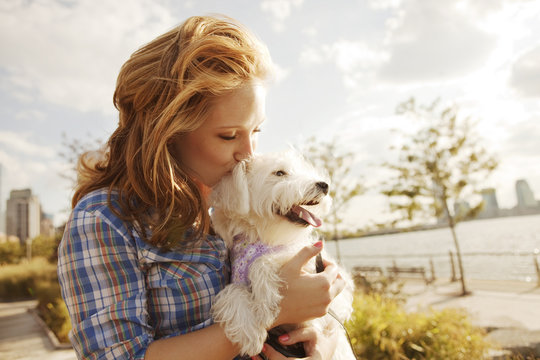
(284, 338)
(318, 244)
(264, 348)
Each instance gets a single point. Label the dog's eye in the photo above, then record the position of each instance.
(280, 173)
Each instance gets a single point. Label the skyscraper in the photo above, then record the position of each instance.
(23, 215)
(524, 194)
(491, 205)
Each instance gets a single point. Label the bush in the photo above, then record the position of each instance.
(381, 329)
(53, 310)
(42, 246)
(46, 247)
(19, 281)
(11, 252)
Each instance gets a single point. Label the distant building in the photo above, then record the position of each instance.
(23, 215)
(524, 194)
(46, 225)
(491, 205)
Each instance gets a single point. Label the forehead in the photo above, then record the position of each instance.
(242, 107)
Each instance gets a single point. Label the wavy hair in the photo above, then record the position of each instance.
(166, 89)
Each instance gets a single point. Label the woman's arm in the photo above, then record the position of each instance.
(207, 343)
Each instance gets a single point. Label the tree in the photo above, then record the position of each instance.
(343, 187)
(441, 164)
(73, 149)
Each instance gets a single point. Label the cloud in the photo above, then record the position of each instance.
(280, 10)
(69, 53)
(523, 139)
(525, 77)
(430, 40)
(353, 59)
(23, 145)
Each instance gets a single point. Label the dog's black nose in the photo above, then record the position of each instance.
(323, 186)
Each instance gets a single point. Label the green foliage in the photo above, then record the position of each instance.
(53, 310)
(42, 246)
(19, 281)
(11, 253)
(381, 329)
(46, 247)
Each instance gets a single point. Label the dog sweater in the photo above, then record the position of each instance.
(243, 253)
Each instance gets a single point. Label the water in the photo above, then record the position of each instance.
(492, 249)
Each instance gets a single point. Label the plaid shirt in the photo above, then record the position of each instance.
(123, 293)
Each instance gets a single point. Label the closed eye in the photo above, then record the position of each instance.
(280, 173)
(224, 137)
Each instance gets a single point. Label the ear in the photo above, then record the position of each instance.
(231, 194)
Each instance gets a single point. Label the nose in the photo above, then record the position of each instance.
(323, 186)
(244, 149)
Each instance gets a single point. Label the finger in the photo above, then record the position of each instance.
(305, 254)
(305, 334)
(337, 287)
(331, 271)
(273, 354)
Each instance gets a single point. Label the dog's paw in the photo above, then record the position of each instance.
(234, 310)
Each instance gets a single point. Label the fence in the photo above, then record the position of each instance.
(480, 265)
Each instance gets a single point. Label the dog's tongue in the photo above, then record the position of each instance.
(306, 216)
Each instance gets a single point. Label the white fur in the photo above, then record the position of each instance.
(248, 201)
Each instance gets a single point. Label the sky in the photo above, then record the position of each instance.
(342, 67)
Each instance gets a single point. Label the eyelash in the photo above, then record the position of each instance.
(229, 138)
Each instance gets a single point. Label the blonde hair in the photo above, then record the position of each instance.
(165, 89)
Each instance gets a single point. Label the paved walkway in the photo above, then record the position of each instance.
(22, 337)
(510, 309)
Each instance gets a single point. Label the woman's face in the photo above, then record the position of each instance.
(228, 135)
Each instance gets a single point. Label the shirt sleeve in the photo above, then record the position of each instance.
(104, 289)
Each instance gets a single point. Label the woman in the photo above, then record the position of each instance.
(139, 264)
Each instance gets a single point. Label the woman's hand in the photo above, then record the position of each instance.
(319, 345)
(307, 296)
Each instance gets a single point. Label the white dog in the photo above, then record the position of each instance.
(263, 210)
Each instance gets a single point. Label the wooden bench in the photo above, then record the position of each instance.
(395, 271)
(364, 271)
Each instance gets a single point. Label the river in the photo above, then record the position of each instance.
(492, 249)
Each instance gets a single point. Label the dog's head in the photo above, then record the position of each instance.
(273, 187)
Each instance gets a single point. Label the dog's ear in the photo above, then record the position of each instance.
(231, 194)
(240, 194)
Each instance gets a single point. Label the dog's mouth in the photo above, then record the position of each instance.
(300, 215)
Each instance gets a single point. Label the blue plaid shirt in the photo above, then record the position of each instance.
(123, 293)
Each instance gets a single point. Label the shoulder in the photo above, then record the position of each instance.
(100, 207)
(97, 200)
